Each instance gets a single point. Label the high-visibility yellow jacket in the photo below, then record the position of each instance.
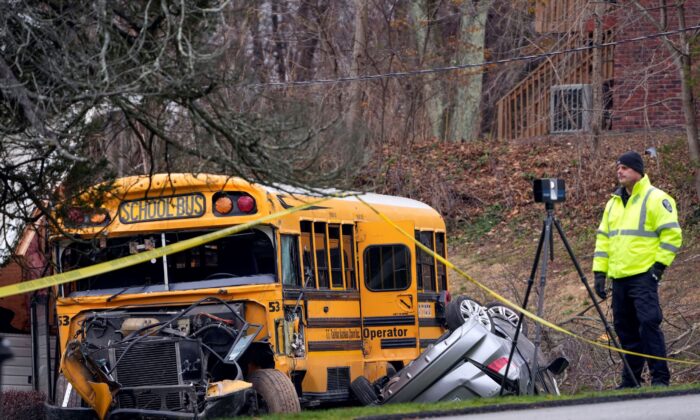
(631, 238)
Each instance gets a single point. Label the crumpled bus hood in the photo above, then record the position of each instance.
(166, 361)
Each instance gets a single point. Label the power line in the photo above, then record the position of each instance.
(467, 66)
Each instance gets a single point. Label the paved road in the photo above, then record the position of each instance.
(686, 407)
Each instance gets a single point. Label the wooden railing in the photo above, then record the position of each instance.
(524, 110)
(558, 16)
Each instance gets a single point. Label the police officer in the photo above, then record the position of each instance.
(638, 238)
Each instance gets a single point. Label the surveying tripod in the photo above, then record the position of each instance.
(545, 247)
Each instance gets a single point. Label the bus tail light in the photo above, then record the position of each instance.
(246, 203)
(98, 218)
(76, 216)
(223, 205)
(233, 203)
(79, 217)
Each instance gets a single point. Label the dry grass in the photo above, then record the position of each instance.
(485, 195)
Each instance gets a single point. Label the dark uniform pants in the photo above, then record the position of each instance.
(637, 323)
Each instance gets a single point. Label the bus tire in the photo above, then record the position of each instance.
(62, 385)
(363, 390)
(462, 308)
(276, 390)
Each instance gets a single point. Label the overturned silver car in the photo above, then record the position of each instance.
(470, 361)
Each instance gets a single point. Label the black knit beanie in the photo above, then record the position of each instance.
(632, 160)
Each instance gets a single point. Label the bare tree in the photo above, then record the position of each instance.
(680, 51)
(90, 90)
(449, 34)
(358, 60)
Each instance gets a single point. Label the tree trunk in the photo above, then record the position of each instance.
(682, 58)
(465, 120)
(449, 38)
(429, 38)
(358, 61)
(307, 41)
(258, 54)
(691, 124)
(280, 46)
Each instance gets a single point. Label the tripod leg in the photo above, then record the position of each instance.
(530, 282)
(535, 263)
(534, 367)
(582, 276)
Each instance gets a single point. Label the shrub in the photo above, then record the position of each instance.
(22, 404)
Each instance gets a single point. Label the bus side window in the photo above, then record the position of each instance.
(290, 260)
(349, 256)
(425, 263)
(419, 267)
(321, 248)
(334, 250)
(441, 251)
(328, 251)
(308, 259)
(387, 267)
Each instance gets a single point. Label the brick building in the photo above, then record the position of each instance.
(25, 264)
(29, 367)
(647, 84)
(14, 310)
(640, 79)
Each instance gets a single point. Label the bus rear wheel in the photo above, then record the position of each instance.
(276, 390)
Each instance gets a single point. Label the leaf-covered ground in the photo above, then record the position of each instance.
(484, 191)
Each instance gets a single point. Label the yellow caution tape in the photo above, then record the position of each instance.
(101, 268)
(505, 301)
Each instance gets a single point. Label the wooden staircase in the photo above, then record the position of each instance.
(525, 110)
(556, 16)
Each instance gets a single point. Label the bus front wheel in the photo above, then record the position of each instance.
(276, 390)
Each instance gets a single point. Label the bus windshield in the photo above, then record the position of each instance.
(243, 258)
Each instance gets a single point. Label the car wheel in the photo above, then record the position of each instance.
(276, 390)
(462, 308)
(363, 390)
(506, 313)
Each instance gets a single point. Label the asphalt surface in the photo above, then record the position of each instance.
(685, 407)
(661, 405)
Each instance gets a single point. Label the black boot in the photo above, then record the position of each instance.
(626, 385)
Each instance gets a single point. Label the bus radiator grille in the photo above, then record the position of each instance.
(152, 362)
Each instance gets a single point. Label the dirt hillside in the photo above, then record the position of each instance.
(484, 190)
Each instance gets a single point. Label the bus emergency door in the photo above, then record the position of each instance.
(388, 292)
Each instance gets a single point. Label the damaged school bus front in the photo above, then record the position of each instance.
(180, 336)
(168, 361)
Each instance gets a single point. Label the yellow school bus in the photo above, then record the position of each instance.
(280, 316)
